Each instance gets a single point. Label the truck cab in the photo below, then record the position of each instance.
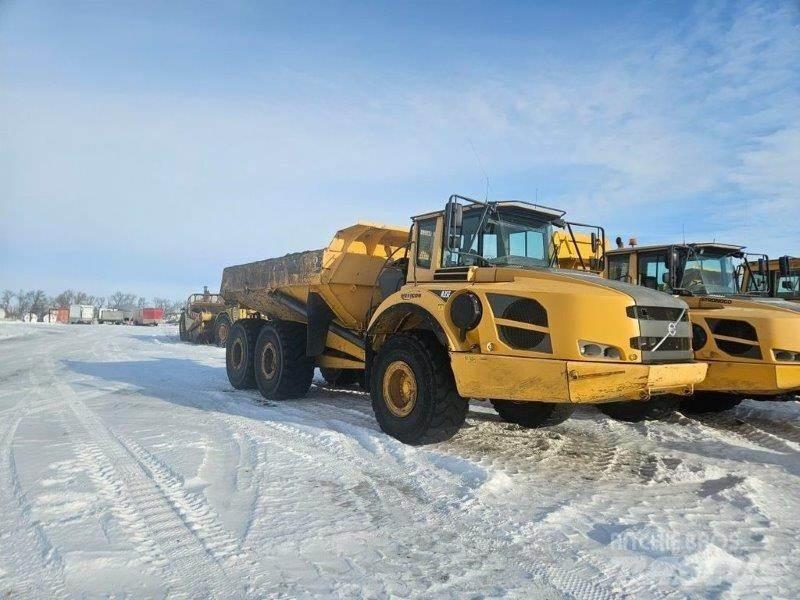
(751, 342)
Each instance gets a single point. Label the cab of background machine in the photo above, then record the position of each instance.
(781, 279)
(752, 341)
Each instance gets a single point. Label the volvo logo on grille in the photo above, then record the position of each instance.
(672, 329)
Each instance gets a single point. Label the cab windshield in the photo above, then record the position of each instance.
(709, 272)
(507, 237)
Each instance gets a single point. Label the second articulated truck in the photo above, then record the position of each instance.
(465, 304)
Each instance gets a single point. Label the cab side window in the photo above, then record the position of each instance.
(653, 271)
(425, 233)
(619, 267)
(788, 287)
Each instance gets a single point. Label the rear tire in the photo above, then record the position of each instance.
(239, 353)
(282, 369)
(222, 330)
(636, 411)
(533, 414)
(709, 402)
(414, 395)
(342, 377)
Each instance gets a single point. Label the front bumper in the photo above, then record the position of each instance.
(545, 380)
(751, 378)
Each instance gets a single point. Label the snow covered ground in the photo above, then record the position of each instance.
(128, 466)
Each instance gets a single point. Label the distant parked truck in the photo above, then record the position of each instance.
(111, 315)
(148, 316)
(81, 313)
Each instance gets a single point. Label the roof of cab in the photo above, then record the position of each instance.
(714, 245)
(548, 211)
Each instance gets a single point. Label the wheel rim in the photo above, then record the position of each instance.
(223, 333)
(237, 354)
(399, 389)
(269, 366)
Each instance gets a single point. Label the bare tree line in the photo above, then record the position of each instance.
(36, 302)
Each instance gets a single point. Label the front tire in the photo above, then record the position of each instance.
(709, 402)
(414, 395)
(533, 414)
(636, 411)
(182, 328)
(239, 353)
(222, 329)
(282, 369)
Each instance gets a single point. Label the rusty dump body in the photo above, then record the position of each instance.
(340, 278)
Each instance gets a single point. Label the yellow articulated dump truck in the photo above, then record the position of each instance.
(196, 323)
(466, 304)
(778, 278)
(751, 342)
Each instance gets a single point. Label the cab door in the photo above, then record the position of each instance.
(652, 270)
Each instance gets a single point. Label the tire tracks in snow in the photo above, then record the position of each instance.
(409, 482)
(189, 542)
(35, 568)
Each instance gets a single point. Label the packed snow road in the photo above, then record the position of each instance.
(128, 466)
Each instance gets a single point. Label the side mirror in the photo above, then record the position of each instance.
(665, 278)
(595, 243)
(454, 213)
(762, 267)
(783, 266)
(673, 259)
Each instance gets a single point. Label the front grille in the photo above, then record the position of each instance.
(525, 339)
(738, 349)
(671, 344)
(514, 308)
(657, 313)
(733, 328)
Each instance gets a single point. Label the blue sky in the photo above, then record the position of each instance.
(146, 145)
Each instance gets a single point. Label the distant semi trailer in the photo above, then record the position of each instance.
(111, 315)
(81, 313)
(148, 316)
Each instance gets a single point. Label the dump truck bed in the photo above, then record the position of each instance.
(343, 274)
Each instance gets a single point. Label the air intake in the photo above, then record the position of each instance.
(737, 338)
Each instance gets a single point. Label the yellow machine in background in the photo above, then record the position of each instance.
(780, 278)
(750, 342)
(197, 318)
(466, 304)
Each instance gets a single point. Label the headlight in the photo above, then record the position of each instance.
(466, 311)
(786, 355)
(597, 350)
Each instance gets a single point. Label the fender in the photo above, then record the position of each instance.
(421, 305)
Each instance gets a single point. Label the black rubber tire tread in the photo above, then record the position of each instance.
(533, 414)
(295, 370)
(248, 330)
(341, 377)
(709, 402)
(440, 411)
(182, 328)
(221, 318)
(636, 411)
